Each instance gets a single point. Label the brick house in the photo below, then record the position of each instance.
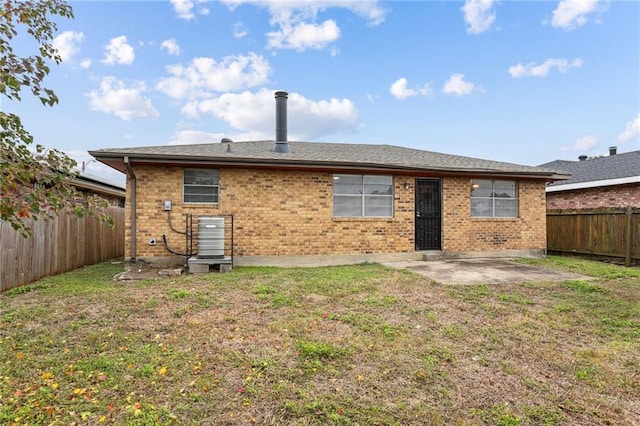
(302, 203)
(602, 182)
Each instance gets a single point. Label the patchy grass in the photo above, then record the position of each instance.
(585, 267)
(339, 345)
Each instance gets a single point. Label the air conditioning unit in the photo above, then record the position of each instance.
(211, 238)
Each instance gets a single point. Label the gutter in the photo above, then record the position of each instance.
(132, 177)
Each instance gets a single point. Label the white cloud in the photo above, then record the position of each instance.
(586, 143)
(631, 132)
(205, 75)
(400, 90)
(368, 9)
(253, 113)
(571, 14)
(171, 46)
(114, 97)
(185, 8)
(302, 36)
(542, 70)
(296, 21)
(240, 30)
(85, 63)
(66, 43)
(118, 51)
(479, 15)
(457, 86)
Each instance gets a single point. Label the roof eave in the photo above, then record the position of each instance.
(111, 158)
(593, 184)
(99, 188)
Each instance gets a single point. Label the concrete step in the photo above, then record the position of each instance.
(432, 255)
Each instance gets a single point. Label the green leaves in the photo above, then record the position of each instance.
(35, 183)
(35, 18)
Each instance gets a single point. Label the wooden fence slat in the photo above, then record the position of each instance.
(610, 232)
(635, 231)
(628, 236)
(7, 252)
(57, 245)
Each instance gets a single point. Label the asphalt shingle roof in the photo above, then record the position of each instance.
(602, 168)
(334, 154)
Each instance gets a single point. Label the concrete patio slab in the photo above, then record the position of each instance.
(482, 271)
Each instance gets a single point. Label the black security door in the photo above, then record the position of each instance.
(428, 214)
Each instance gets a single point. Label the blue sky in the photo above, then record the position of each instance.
(522, 82)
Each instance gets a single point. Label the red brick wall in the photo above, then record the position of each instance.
(593, 198)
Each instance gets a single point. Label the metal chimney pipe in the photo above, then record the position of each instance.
(281, 146)
(613, 150)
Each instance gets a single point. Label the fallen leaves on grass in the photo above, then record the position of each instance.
(373, 346)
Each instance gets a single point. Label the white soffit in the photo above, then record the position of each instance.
(594, 184)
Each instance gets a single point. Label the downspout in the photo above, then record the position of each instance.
(132, 178)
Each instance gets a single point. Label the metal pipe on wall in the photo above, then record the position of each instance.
(132, 182)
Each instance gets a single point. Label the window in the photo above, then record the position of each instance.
(494, 198)
(200, 186)
(362, 196)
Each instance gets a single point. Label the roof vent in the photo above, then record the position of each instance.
(281, 146)
(226, 140)
(582, 158)
(613, 150)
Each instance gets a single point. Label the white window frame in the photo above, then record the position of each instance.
(215, 187)
(364, 196)
(493, 198)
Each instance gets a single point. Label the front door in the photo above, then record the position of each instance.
(428, 214)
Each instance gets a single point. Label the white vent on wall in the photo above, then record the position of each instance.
(211, 237)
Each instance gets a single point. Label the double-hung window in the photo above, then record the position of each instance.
(494, 198)
(362, 196)
(201, 186)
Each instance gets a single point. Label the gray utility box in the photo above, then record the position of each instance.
(211, 238)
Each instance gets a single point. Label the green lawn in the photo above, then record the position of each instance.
(337, 345)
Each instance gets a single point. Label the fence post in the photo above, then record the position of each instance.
(628, 236)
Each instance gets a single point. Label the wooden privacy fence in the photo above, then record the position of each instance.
(609, 233)
(57, 245)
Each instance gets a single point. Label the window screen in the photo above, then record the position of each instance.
(362, 196)
(494, 198)
(200, 186)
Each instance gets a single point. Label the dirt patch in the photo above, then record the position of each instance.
(483, 271)
(142, 271)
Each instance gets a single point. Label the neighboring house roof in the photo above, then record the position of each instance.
(315, 155)
(99, 185)
(614, 169)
